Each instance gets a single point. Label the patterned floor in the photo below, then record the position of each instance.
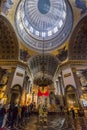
(58, 123)
(55, 122)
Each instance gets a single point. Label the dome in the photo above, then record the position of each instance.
(43, 20)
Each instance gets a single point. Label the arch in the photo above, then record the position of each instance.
(71, 98)
(46, 66)
(9, 48)
(17, 87)
(16, 92)
(69, 87)
(50, 64)
(78, 41)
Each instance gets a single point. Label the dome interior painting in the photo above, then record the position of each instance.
(50, 21)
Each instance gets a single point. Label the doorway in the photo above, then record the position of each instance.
(71, 97)
(15, 94)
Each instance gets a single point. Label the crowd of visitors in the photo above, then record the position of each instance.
(2, 114)
(14, 114)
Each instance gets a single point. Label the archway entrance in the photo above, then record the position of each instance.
(71, 97)
(16, 94)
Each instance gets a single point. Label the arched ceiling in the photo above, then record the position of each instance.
(78, 41)
(49, 61)
(9, 48)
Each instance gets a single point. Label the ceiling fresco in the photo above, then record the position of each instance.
(37, 26)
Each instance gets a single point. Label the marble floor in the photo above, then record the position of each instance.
(54, 122)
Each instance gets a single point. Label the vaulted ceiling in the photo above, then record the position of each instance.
(49, 61)
(9, 47)
(78, 41)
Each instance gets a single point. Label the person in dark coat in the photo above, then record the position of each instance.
(2, 114)
(15, 114)
(10, 115)
(73, 113)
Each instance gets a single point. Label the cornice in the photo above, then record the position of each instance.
(12, 63)
(74, 62)
(69, 63)
(15, 63)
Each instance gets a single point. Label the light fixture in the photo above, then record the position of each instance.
(43, 80)
(43, 67)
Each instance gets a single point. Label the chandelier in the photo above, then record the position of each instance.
(44, 79)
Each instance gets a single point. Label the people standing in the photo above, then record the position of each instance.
(10, 115)
(29, 111)
(2, 114)
(15, 114)
(61, 110)
(31, 105)
(72, 113)
(22, 112)
(19, 113)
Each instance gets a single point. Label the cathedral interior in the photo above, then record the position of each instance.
(43, 58)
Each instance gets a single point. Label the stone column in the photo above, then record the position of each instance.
(58, 87)
(10, 78)
(61, 92)
(78, 88)
(24, 90)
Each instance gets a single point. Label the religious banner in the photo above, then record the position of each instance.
(43, 91)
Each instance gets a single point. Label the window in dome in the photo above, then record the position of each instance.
(43, 34)
(49, 33)
(55, 29)
(37, 33)
(60, 24)
(21, 26)
(31, 29)
(26, 23)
